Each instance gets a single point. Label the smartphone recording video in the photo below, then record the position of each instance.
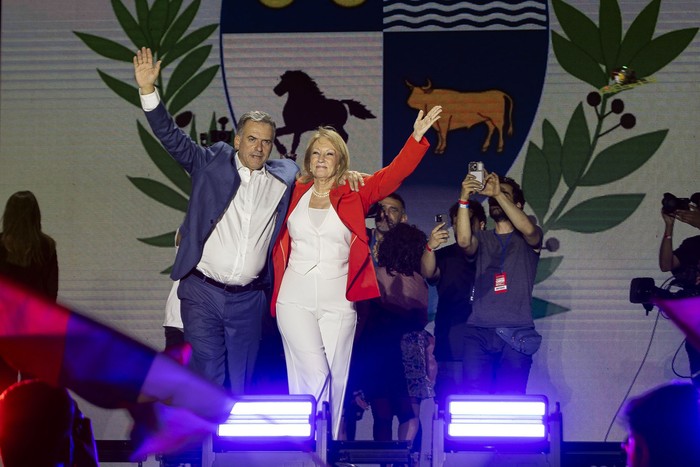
(477, 169)
(442, 218)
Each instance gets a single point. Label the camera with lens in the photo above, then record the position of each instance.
(671, 203)
(643, 289)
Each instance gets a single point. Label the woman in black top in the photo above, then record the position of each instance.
(27, 255)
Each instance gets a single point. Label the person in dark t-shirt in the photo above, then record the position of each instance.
(451, 271)
(501, 337)
(684, 263)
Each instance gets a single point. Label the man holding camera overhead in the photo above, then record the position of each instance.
(500, 338)
(684, 261)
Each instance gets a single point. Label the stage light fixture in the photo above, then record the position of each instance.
(275, 421)
(498, 422)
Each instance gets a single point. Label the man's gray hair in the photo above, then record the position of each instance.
(256, 116)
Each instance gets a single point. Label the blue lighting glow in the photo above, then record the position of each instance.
(493, 419)
(266, 417)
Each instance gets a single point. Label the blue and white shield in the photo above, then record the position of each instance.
(367, 67)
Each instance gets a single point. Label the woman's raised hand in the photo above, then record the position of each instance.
(423, 123)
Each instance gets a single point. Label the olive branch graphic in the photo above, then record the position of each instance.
(164, 28)
(594, 54)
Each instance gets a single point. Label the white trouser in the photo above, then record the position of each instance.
(317, 324)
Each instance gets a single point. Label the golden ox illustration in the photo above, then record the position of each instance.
(464, 110)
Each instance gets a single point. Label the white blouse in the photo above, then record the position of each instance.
(325, 246)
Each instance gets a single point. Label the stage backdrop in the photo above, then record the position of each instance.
(523, 84)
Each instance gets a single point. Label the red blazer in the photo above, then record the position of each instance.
(351, 207)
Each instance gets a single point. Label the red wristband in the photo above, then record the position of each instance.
(427, 247)
(463, 202)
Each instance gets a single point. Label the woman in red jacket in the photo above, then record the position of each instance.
(322, 261)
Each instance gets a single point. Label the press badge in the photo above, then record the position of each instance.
(499, 283)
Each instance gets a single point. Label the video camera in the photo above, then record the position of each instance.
(643, 290)
(670, 203)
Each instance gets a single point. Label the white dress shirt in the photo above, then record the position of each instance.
(236, 250)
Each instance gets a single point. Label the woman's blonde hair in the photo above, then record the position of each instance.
(341, 150)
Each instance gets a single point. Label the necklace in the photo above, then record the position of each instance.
(320, 195)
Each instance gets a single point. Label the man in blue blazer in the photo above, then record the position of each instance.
(238, 202)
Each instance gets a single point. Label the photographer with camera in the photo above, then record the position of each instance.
(500, 338)
(684, 261)
(452, 272)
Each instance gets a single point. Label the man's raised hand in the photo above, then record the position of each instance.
(145, 71)
(438, 236)
(492, 184)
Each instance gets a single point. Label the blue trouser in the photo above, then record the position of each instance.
(223, 329)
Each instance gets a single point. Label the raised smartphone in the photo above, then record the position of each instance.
(477, 169)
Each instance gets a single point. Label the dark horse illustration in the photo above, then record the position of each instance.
(307, 109)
